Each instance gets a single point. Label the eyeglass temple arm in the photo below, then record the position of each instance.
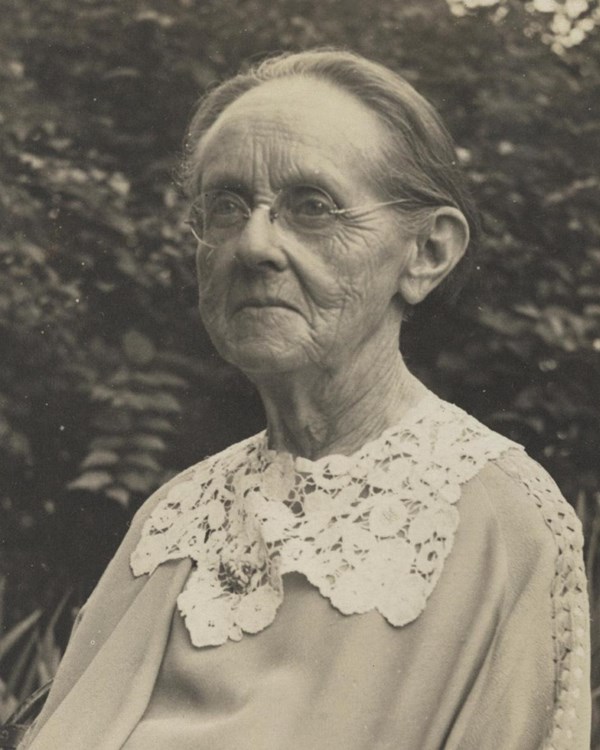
(197, 237)
(368, 207)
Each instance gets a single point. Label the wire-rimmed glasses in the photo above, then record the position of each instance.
(305, 210)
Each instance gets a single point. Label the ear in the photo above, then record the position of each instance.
(436, 252)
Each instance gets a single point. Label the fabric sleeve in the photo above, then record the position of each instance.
(534, 692)
(115, 591)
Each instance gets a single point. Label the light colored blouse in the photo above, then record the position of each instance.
(426, 593)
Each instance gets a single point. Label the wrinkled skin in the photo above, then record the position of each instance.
(314, 323)
(337, 291)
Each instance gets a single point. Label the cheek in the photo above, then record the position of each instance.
(332, 269)
(213, 287)
(367, 266)
(205, 263)
(212, 271)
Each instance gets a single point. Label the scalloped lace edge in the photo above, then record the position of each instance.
(370, 531)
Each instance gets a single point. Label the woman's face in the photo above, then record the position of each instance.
(275, 299)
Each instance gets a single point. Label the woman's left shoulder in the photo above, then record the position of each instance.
(528, 504)
(499, 481)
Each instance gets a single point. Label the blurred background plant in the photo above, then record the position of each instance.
(108, 384)
(29, 654)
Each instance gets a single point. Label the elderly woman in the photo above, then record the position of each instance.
(377, 569)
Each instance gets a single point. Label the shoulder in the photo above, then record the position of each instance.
(534, 525)
(524, 497)
(500, 480)
(188, 484)
(543, 542)
(178, 508)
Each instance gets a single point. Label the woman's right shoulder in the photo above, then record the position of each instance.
(192, 480)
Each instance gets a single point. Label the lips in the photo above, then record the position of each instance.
(263, 302)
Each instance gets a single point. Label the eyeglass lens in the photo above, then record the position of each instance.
(221, 213)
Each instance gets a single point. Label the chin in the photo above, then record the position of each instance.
(263, 344)
(256, 358)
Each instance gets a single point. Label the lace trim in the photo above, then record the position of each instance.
(371, 531)
(569, 601)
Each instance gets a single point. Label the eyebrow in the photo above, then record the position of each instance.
(220, 179)
(233, 186)
(226, 180)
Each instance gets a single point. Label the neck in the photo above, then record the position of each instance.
(317, 413)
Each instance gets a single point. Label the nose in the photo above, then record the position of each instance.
(258, 245)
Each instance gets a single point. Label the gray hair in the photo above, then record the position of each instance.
(419, 161)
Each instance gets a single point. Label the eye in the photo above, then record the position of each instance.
(309, 205)
(223, 209)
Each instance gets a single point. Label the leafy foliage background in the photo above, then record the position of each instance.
(108, 384)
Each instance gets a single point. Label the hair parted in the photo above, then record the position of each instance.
(418, 162)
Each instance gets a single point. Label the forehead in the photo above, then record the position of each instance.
(294, 123)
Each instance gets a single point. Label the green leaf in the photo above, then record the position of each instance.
(119, 494)
(48, 651)
(92, 481)
(10, 638)
(138, 482)
(142, 461)
(138, 348)
(99, 458)
(148, 442)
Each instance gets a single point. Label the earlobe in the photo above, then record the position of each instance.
(435, 253)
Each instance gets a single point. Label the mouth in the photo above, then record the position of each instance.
(264, 302)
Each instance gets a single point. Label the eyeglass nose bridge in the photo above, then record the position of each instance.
(272, 208)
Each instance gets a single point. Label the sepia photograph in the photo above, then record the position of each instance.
(300, 375)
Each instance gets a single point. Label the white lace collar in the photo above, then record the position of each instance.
(370, 531)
